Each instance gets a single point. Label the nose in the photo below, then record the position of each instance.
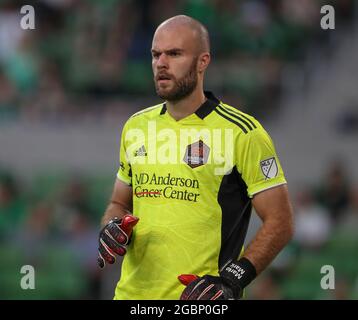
(162, 62)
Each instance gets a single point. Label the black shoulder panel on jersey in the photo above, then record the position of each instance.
(236, 212)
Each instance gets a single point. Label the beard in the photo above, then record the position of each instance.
(182, 87)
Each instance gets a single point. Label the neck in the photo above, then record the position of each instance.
(186, 106)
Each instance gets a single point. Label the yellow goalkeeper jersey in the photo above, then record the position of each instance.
(192, 183)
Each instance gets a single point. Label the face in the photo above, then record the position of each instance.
(174, 63)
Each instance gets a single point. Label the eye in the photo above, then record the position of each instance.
(174, 53)
(155, 55)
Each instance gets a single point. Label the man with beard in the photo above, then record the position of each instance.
(191, 218)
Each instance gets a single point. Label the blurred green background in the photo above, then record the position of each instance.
(67, 87)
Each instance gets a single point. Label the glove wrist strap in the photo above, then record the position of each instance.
(238, 274)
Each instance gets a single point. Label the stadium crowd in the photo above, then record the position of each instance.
(75, 65)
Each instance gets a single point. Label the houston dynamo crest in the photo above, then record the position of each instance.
(196, 154)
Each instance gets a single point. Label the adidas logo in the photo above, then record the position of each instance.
(141, 152)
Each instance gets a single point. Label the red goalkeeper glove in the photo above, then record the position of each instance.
(114, 238)
(234, 277)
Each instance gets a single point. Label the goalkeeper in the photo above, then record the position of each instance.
(180, 208)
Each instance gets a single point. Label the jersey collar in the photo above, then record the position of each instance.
(205, 109)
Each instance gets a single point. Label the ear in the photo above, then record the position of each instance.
(203, 61)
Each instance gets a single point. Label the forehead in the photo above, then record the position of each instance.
(169, 37)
